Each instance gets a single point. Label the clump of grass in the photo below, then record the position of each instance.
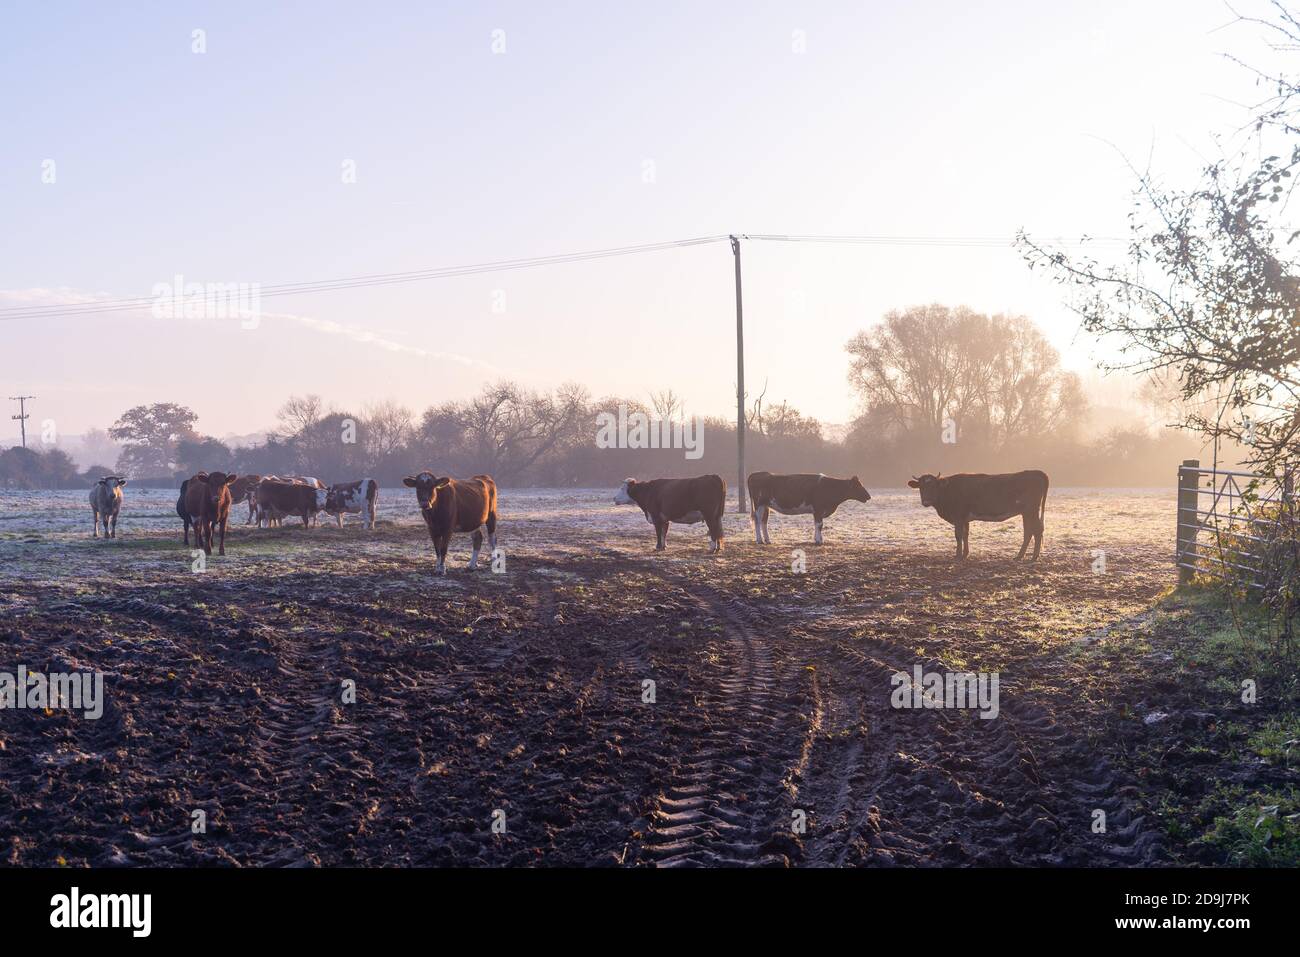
(1278, 741)
(1263, 834)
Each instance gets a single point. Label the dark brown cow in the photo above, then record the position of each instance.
(699, 499)
(799, 494)
(967, 497)
(273, 516)
(244, 489)
(181, 508)
(277, 498)
(207, 505)
(449, 505)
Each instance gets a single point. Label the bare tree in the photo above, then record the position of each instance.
(667, 405)
(997, 377)
(1209, 292)
(386, 427)
(299, 414)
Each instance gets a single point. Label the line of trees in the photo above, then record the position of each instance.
(940, 389)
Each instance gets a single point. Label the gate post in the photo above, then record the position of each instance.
(1188, 482)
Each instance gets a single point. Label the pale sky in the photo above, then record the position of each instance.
(937, 119)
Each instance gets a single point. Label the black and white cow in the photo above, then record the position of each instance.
(357, 497)
(800, 494)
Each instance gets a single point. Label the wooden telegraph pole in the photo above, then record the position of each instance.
(22, 415)
(740, 382)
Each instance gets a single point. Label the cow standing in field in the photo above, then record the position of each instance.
(181, 506)
(244, 489)
(277, 499)
(356, 497)
(963, 498)
(802, 494)
(664, 501)
(272, 515)
(451, 506)
(106, 502)
(207, 506)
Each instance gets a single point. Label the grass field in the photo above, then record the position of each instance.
(518, 697)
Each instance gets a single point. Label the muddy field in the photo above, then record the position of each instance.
(521, 692)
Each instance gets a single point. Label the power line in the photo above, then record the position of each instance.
(97, 307)
(59, 310)
(991, 242)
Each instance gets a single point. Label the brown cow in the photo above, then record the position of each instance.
(450, 506)
(277, 498)
(207, 504)
(699, 499)
(244, 489)
(181, 508)
(799, 494)
(966, 497)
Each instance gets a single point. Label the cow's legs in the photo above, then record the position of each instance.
(1027, 521)
(187, 530)
(440, 549)
(1038, 538)
(95, 511)
(817, 529)
(339, 516)
(661, 536)
(767, 514)
(478, 543)
(965, 540)
(715, 534)
(491, 529)
(758, 523)
(114, 532)
(956, 532)
(222, 551)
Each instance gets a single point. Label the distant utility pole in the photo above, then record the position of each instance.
(22, 415)
(740, 382)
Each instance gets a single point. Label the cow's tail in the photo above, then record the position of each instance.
(1042, 505)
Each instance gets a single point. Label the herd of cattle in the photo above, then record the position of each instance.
(207, 497)
(469, 506)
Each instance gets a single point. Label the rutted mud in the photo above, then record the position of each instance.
(518, 697)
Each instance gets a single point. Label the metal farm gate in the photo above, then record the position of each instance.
(1225, 521)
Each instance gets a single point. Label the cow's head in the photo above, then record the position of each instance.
(857, 491)
(112, 481)
(929, 486)
(624, 494)
(216, 483)
(426, 486)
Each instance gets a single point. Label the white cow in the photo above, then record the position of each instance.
(106, 502)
